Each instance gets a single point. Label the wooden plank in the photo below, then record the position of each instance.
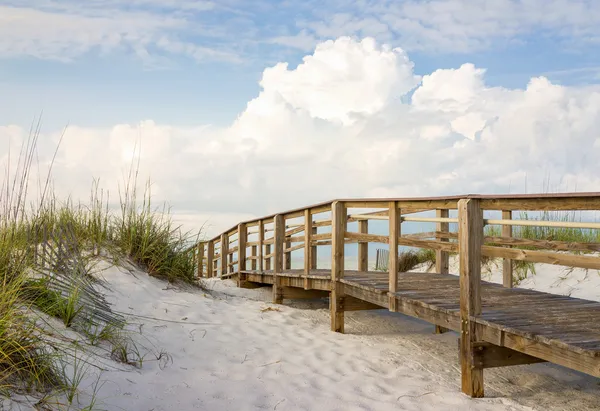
(558, 355)
(355, 304)
(293, 231)
(338, 228)
(268, 256)
(253, 258)
(313, 251)
(261, 240)
(287, 253)
(308, 231)
(470, 238)
(507, 263)
(442, 258)
(543, 223)
(224, 248)
(542, 203)
(545, 257)
(293, 293)
(363, 248)
(210, 252)
(279, 238)
(488, 355)
(543, 244)
(200, 260)
(394, 233)
(242, 238)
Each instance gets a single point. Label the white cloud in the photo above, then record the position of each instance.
(335, 126)
(67, 30)
(455, 25)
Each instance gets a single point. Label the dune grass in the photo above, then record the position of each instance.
(48, 253)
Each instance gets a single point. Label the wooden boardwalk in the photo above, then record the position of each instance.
(498, 325)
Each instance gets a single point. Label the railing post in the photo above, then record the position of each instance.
(394, 221)
(507, 263)
(224, 253)
(336, 299)
(242, 239)
(442, 258)
(261, 239)
(308, 227)
(313, 252)
(268, 260)
(288, 255)
(254, 254)
(200, 256)
(210, 256)
(470, 240)
(278, 243)
(363, 247)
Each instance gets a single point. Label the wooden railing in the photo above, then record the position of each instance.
(267, 243)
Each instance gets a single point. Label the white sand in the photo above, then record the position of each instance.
(228, 353)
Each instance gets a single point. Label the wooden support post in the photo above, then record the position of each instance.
(278, 242)
(268, 260)
(313, 252)
(336, 298)
(253, 253)
(224, 252)
(242, 239)
(363, 248)
(442, 258)
(307, 247)
(261, 239)
(210, 255)
(394, 223)
(200, 256)
(507, 263)
(288, 255)
(470, 240)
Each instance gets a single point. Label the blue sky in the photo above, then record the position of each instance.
(240, 96)
(122, 84)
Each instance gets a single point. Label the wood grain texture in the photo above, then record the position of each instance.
(442, 258)
(470, 240)
(338, 228)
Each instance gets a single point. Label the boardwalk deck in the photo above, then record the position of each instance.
(497, 325)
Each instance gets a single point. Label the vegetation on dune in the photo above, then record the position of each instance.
(49, 253)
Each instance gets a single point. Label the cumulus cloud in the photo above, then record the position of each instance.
(351, 120)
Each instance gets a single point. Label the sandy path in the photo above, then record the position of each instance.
(246, 358)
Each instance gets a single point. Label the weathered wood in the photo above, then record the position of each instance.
(542, 203)
(308, 231)
(355, 304)
(210, 252)
(407, 240)
(507, 264)
(394, 234)
(288, 251)
(545, 257)
(313, 251)
(224, 248)
(338, 228)
(254, 258)
(293, 293)
(542, 223)
(268, 256)
(488, 355)
(293, 231)
(442, 258)
(200, 259)
(242, 238)
(261, 240)
(363, 248)
(279, 237)
(470, 238)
